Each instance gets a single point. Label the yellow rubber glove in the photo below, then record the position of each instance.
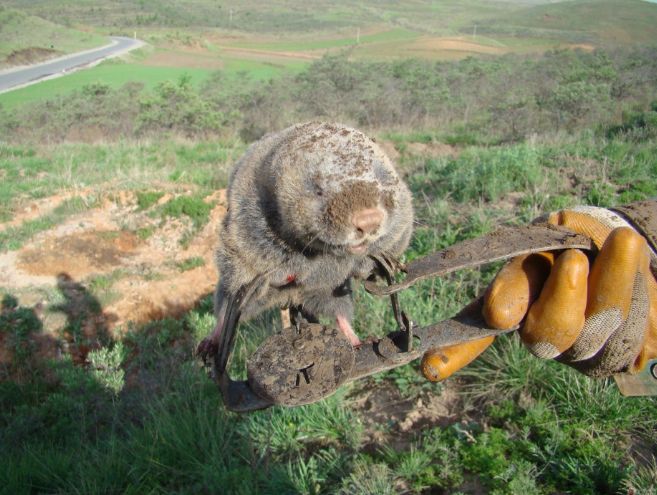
(599, 318)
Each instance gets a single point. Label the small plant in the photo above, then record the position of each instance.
(77, 204)
(17, 323)
(106, 368)
(144, 232)
(190, 263)
(13, 238)
(643, 481)
(146, 199)
(192, 207)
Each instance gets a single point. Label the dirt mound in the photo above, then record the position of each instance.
(137, 262)
(30, 55)
(87, 252)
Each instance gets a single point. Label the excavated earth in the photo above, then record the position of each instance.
(114, 262)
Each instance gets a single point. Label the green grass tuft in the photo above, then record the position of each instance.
(146, 199)
(193, 207)
(190, 263)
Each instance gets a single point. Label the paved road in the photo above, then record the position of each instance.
(23, 76)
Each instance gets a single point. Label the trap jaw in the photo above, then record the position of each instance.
(305, 363)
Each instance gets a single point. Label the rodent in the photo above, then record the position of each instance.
(306, 206)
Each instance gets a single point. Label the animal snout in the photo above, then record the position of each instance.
(367, 221)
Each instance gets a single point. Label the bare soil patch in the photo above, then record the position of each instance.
(79, 254)
(30, 55)
(432, 149)
(390, 417)
(428, 44)
(135, 257)
(257, 53)
(186, 59)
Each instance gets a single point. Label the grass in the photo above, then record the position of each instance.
(177, 437)
(113, 73)
(101, 286)
(260, 69)
(585, 20)
(192, 207)
(20, 31)
(116, 74)
(146, 199)
(190, 263)
(35, 172)
(303, 45)
(13, 238)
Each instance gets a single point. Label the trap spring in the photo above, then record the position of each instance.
(304, 364)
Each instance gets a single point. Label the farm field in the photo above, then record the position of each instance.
(112, 185)
(460, 30)
(199, 55)
(166, 66)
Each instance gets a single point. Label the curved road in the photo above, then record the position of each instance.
(23, 76)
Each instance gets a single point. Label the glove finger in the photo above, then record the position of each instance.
(649, 349)
(555, 320)
(583, 223)
(515, 287)
(438, 364)
(617, 307)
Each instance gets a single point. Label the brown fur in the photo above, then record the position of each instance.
(290, 203)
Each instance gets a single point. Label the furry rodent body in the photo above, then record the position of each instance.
(296, 203)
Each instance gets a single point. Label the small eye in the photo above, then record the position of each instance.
(318, 190)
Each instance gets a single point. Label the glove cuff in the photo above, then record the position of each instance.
(642, 216)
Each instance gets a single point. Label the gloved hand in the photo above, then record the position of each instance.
(600, 318)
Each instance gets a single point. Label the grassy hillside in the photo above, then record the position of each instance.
(250, 15)
(602, 20)
(25, 38)
(598, 21)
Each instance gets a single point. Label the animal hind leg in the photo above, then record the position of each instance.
(345, 326)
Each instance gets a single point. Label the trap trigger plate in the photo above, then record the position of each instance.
(300, 365)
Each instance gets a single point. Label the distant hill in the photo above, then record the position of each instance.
(269, 16)
(26, 39)
(598, 21)
(572, 21)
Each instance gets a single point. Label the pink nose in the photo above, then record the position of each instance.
(368, 220)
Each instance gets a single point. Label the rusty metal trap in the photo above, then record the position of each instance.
(308, 361)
